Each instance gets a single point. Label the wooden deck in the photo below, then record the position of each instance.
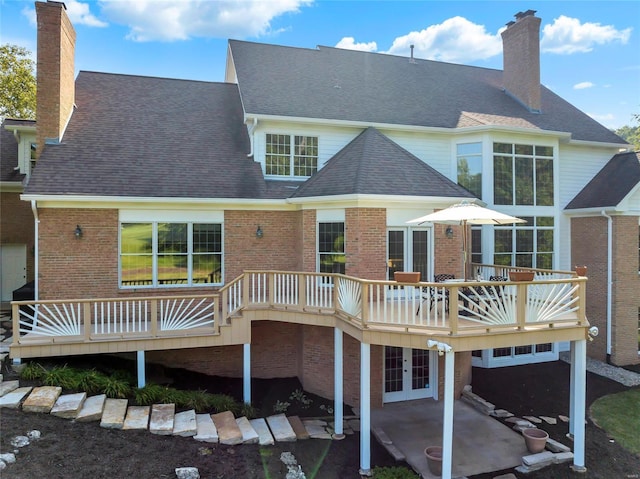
(484, 314)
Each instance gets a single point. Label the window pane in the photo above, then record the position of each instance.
(207, 238)
(544, 221)
(331, 247)
(502, 148)
(544, 182)
(545, 240)
(502, 180)
(524, 150)
(207, 268)
(136, 270)
(524, 260)
(464, 149)
(470, 174)
(524, 240)
(544, 260)
(503, 240)
(420, 257)
(278, 155)
(524, 181)
(544, 150)
(172, 269)
(476, 245)
(135, 238)
(305, 160)
(172, 238)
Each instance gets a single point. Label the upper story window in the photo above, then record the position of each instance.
(170, 254)
(291, 155)
(522, 174)
(331, 255)
(469, 156)
(527, 244)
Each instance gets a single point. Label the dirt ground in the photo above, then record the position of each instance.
(84, 450)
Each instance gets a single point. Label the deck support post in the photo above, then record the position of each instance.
(142, 380)
(337, 384)
(578, 390)
(365, 409)
(447, 420)
(246, 373)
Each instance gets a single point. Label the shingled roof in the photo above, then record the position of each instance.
(151, 137)
(611, 185)
(336, 84)
(372, 164)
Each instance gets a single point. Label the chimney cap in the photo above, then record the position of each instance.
(60, 3)
(528, 13)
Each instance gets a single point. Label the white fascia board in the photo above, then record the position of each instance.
(621, 147)
(21, 128)
(578, 212)
(11, 186)
(373, 201)
(104, 202)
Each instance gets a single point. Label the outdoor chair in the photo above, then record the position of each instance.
(434, 294)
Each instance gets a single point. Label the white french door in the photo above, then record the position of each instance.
(409, 374)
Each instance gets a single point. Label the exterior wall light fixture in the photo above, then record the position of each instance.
(449, 232)
(78, 232)
(259, 232)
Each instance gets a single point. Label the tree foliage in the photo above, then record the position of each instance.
(631, 134)
(17, 83)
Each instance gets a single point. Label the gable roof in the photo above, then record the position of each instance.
(611, 185)
(151, 137)
(335, 84)
(9, 149)
(372, 164)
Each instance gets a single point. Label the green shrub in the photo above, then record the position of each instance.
(198, 400)
(247, 409)
(281, 406)
(114, 387)
(150, 394)
(90, 381)
(394, 473)
(223, 402)
(32, 371)
(63, 376)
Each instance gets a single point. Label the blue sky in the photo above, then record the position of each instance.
(590, 49)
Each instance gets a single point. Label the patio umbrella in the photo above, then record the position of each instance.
(465, 214)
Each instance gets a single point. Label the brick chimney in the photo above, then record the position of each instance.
(55, 75)
(521, 58)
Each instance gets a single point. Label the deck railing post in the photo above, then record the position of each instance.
(521, 304)
(222, 308)
(334, 292)
(15, 320)
(453, 309)
(364, 307)
(271, 286)
(86, 318)
(582, 301)
(302, 291)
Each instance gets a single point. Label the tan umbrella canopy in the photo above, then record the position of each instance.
(465, 214)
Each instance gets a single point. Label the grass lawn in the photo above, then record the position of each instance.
(619, 415)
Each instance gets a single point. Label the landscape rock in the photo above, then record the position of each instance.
(533, 419)
(8, 457)
(549, 420)
(20, 441)
(3, 465)
(187, 473)
(34, 435)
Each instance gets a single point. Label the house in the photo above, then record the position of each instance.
(289, 183)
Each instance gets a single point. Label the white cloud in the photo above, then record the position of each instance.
(567, 35)
(583, 85)
(165, 20)
(349, 43)
(454, 40)
(78, 13)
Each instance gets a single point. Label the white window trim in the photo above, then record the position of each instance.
(292, 139)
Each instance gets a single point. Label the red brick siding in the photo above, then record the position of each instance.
(448, 251)
(17, 226)
(365, 242)
(309, 241)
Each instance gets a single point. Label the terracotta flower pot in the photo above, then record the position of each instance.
(535, 439)
(434, 459)
(521, 275)
(580, 270)
(407, 276)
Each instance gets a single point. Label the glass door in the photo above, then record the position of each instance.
(408, 250)
(409, 374)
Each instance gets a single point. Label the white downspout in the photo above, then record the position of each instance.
(609, 278)
(252, 128)
(36, 220)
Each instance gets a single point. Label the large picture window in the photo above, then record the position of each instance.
(469, 157)
(525, 245)
(331, 255)
(170, 254)
(291, 155)
(522, 174)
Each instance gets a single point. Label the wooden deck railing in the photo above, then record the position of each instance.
(467, 307)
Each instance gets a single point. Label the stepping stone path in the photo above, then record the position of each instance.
(162, 418)
(68, 406)
(42, 399)
(113, 413)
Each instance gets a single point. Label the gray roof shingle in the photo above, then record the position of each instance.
(151, 137)
(612, 183)
(372, 164)
(335, 84)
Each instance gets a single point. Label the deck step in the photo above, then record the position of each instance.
(162, 419)
(8, 386)
(114, 413)
(228, 431)
(281, 429)
(137, 418)
(69, 405)
(92, 409)
(249, 434)
(13, 399)
(317, 429)
(298, 428)
(42, 399)
(206, 429)
(184, 424)
(265, 438)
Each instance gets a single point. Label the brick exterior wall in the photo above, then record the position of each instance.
(309, 240)
(17, 226)
(448, 251)
(366, 242)
(625, 283)
(56, 72)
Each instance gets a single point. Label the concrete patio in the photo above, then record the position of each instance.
(480, 443)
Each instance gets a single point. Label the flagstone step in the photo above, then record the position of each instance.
(114, 413)
(13, 399)
(162, 419)
(185, 424)
(281, 429)
(8, 386)
(228, 431)
(137, 418)
(69, 405)
(206, 429)
(265, 438)
(42, 399)
(92, 408)
(299, 428)
(249, 434)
